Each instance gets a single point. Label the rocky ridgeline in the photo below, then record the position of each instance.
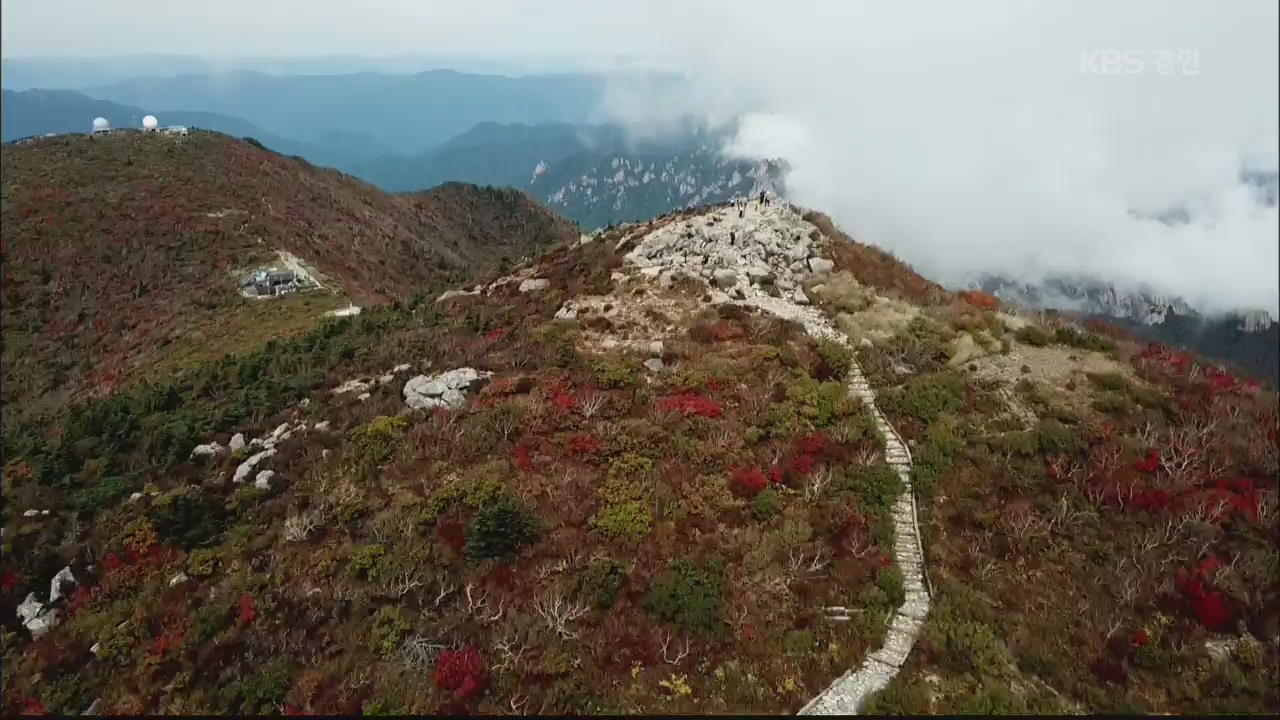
(764, 247)
(760, 259)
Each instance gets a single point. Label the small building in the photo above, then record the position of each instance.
(174, 130)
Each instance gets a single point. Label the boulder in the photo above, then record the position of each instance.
(322, 426)
(263, 480)
(654, 364)
(534, 284)
(246, 467)
(402, 367)
(237, 442)
(453, 294)
(31, 513)
(865, 343)
(178, 579)
(655, 348)
(206, 450)
(444, 390)
(799, 297)
(44, 623)
(30, 608)
(63, 579)
(724, 277)
(351, 386)
(820, 266)
(567, 313)
(363, 396)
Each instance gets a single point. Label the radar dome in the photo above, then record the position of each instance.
(100, 123)
(149, 122)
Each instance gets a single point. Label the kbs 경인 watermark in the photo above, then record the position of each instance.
(1139, 62)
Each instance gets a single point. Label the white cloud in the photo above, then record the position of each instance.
(965, 136)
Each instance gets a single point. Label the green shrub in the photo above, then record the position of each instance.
(1112, 381)
(964, 645)
(601, 582)
(689, 596)
(906, 694)
(798, 642)
(821, 403)
(766, 504)
(103, 493)
(628, 520)
(257, 692)
(877, 487)
(1054, 437)
(1112, 403)
(1034, 336)
(927, 398)
(501, 528)
(833, 360)
(1067, 335)
(388, 629)
(993, 699)
(480, 488)
(364, 559)
(203, 562)
(615, 371)
(376, 441)
(186, 517)
(892, 584)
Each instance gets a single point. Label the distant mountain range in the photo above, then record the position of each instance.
(37, 112)
(592, 174)
(408, 113)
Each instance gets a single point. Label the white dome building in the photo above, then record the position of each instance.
(150, 123)
(100, 124)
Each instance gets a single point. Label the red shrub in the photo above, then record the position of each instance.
(583, 444)
(723, 330)
(464, 672)
(688, 404)
(811, 444)
(452, 533)
(775, 474)
(804, 464)
(748, 481)
(8, 581)
(523, 461)
(564, 400)
(248, 608)
(496, 335)
(1148, 464)
(1140, 639)
(31, 706)
(980, 300)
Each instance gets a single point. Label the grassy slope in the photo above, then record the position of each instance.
(111, 254)
(319, 624)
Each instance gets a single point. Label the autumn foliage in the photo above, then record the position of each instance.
(464, 672)
(690, 404)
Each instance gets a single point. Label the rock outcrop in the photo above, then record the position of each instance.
(444, 390)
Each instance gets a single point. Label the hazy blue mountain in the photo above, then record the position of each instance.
(493, 153)
(36, 112)
(76, 73)
(409, 113)
(592, 174)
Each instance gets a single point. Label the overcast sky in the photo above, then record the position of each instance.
(961, 135)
